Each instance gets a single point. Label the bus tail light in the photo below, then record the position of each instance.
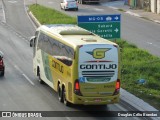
(117, 87)
(77, 88)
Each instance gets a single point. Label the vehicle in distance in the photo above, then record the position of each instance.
(2, 66)
(81, 66)
(88, 1)
(69, 4)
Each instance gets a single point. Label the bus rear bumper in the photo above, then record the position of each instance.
(96, 100)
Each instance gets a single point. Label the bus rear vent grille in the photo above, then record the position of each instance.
(88, 40)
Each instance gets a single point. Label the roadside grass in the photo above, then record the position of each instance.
(50, 16)
(139, 64)
(121, 10)
(136, 63)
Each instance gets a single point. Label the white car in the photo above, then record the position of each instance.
(69, 4)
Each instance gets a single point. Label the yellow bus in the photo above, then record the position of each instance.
(81, 66)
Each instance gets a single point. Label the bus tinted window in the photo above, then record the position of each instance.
(58, 50)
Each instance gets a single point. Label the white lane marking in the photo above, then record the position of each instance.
(4, 16)
(157, 21)
(149, 43)
(97, 9)
(115, 8)
(18, 69)
(12, 1)
(134, 14)
(68, 118)
(28, 79)
(24, 3)
(155, 45)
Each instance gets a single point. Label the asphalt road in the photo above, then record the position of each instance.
(16, 17)
(20, 90)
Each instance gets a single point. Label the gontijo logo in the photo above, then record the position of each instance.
(99, 53)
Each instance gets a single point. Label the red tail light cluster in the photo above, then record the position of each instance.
(117, 88)
(77, 88)
(118, 84)
(1, 62)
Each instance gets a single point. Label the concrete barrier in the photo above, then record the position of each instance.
(37, 23)
(158, 6)
(153, 6)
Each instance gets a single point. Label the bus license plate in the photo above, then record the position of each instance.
(98, 100)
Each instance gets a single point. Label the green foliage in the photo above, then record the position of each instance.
(50, 16)
(121, 10)
(139, 64)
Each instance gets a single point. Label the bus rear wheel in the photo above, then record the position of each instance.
(39, 76)
(65, 99)
(60, 96)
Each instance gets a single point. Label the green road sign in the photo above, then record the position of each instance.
(106, 26)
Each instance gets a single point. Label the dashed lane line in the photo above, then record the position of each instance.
(25, 76)
(30, 81)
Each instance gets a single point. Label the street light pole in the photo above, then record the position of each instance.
(36, 2)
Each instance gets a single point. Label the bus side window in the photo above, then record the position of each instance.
(40, 40)
(58, 50)
(55, 48)
(36, 38)
(67, 60)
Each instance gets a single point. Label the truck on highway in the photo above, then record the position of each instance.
(80, 66)
(87, 1)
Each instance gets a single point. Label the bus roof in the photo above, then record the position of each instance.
(73, 34)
